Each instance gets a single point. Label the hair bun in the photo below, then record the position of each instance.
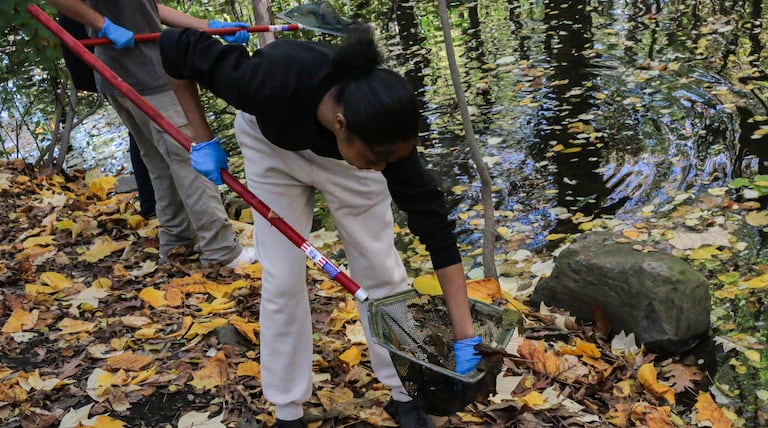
(358, 54)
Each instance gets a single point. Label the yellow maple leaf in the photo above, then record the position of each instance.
(345, 312)
(707, 410)
(249, 368)
(136, 221)
(759, 282)
(227, 290)
(154, 297)
(351, 356)
(70, 225)
(484, 289)
(218, 305)
(55, 280)
(105, 421)
(70, 326)
(428, 284)
(247, 329)
(704, 252)
(102, 247)
(101, 186)
(20, 320)
(204, 328)
(533, 399)
(213, 373)
(646, 375)
(39, 240)
(582, 348)
(143, 376)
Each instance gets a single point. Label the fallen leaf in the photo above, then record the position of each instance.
(351, 356)
(646, 375)
(201, 420)
(706, 410)
(20, 320)
(212, 373)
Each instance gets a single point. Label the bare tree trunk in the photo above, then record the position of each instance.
(489, 229)
(262, 15)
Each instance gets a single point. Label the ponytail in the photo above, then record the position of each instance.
(379, 105)
(358, 54)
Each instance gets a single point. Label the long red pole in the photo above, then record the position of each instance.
(150, 37)
(273, 218)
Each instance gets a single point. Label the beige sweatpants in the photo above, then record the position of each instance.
(361, 207)
(188, 206)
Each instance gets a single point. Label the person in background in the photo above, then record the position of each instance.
(314, 116)
(188, 207)
(83, 80)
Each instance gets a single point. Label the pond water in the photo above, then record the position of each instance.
(602, 108)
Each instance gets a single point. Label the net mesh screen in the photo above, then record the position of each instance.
(416, 330)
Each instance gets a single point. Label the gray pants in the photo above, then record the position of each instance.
(189, 207)
(361, 207)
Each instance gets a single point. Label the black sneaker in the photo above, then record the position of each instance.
(297, 423)
(407, 414)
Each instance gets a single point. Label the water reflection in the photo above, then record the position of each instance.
(599, 108)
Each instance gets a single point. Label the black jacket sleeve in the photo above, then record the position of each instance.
(415, 191)
(228, 71)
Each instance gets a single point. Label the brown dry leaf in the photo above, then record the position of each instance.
(135, 321)
(681, 376)
(757, 218)
(716, 236)
(331, 399)
(619, 416)
(540, 360)
(212, 373)
(128, 361)
(646, 375)
(174, 297)
(20, 320)
(708, 411)
(11, 392)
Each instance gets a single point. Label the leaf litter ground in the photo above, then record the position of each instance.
(95, 333)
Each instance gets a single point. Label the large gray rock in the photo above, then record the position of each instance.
(657, 296)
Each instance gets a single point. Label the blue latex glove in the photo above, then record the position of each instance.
(120, 37)
(239, 37)
(466, 356)
(208, 158)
